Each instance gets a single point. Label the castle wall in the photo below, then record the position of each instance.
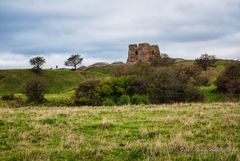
(142, 52)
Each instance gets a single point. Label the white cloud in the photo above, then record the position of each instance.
(10, 60)
(20, 61)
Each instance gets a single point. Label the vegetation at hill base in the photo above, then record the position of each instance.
(192, 80)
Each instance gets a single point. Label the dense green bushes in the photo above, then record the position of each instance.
(110, 91)
(149, 85)
(229, 81)
(169, 85)
(108, 102)
(139, 99)
(86, 93)
(124, 100)
(195, 74)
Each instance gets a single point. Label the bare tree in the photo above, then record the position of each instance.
(74, 60)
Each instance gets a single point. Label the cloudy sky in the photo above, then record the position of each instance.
(102, 30)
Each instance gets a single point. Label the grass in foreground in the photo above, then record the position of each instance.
(165, 132)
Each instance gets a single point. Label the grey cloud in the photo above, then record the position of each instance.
(103, 29)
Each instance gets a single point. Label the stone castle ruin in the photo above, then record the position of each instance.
(142, 53)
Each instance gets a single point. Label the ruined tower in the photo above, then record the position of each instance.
(142, 52)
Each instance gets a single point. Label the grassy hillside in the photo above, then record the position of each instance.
(166, 132)
(101, 71)
(11, 81)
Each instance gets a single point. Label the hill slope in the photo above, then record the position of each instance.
(11, 81)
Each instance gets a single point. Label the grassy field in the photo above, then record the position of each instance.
(163, 132)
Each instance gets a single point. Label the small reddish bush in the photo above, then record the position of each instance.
(229, 81)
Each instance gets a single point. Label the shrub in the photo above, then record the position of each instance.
(168, 85)
(94, 92)
(82, 101)
(86, 93)
(138, 69)
(191, 70)
(136, 99)
(161, 85)
(233, 86)
(124, 100)
(221, 83)
(34, 89)
(108, 102)
(114, 87)
(145, 100)
(232, 70)
(229, 80)
(192, 94)
(8, 97)
(201, 80)
(105, 88)
(139, 86)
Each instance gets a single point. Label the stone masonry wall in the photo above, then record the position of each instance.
(142, 52)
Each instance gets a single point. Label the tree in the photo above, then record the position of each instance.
(37, 63)
(74, 61)
(164, 60)
(34, 89)
(205, 61)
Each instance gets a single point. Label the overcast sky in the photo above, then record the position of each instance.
(100, 30)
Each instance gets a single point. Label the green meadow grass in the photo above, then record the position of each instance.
(156, 132)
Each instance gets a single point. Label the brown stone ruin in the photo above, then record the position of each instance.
(143, 52)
